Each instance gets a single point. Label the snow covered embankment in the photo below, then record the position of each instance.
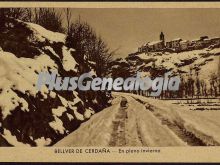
(94, 132)
(37, 118)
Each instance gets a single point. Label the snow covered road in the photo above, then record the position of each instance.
(142, 128)
(145, 122)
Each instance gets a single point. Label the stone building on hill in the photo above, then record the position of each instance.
(178, 44)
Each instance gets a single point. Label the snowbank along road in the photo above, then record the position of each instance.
(144, 122)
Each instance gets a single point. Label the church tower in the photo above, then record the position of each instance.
(162, 38)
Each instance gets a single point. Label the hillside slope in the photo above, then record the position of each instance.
(38, 118)
(198, 68)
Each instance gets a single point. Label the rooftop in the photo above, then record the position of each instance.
(176, 39)
(154, 42)
(215, 38)
(184, 41)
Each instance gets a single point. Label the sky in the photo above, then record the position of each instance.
(127, 29)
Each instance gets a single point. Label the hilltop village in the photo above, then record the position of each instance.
(178, 44)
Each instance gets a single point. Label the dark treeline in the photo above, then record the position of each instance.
(80, 35)
(194, 86)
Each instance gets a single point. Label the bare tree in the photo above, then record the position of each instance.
(84, 39)
(17, 13)
(29, 15)
(6, 14)
(68, 14)
(49, 18)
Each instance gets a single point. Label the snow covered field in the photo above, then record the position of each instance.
(201, 104)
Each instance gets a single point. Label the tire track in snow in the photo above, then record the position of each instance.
(179, 130)
(123, 134)
(136, 134)
(118, 133)
(139, 134)
(133, 133)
